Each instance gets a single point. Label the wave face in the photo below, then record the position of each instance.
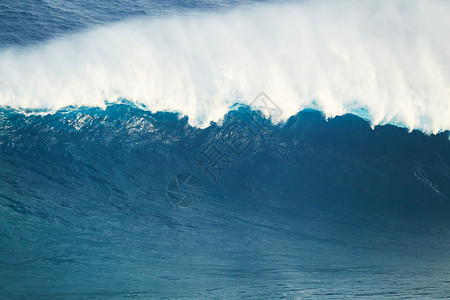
(135, 160)
(122, 202)
(389, 58)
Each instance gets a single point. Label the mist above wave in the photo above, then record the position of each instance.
(389, 58)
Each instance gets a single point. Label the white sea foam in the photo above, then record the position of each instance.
(389, 58)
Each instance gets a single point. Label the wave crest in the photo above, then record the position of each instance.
(389, 58)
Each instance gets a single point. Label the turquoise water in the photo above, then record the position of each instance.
(124, 201)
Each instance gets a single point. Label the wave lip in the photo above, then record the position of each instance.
(388, 58)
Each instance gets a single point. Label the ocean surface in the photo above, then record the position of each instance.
(224, 149)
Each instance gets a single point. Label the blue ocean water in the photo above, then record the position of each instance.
(26, 22)
(123, 201)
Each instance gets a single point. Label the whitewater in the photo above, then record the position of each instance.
(226, 150)
(389, 59)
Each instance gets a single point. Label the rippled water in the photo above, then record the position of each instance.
(307, 210)
(123, 201)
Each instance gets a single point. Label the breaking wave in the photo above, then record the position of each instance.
(388, 59)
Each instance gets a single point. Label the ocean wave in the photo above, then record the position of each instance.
(389, 59)
(114, 202)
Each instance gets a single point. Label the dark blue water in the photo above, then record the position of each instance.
(125, 203)
(30, 21)
(310, 208)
